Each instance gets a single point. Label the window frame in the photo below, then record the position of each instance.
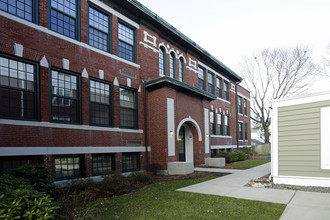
(245, 131)
(161, 48)
(81, 166)
(181, 69)
(35, 158)
(239, 105)
(79, 109)
(109, 35)
(240, 131)
(226, 92)
(219, 125)
(138, 162)
(218, 89)
(134, 55)
(172, 66)
(227, 127)
(201, 82)
(77, 19)
(210, 85)
(213, 123)
(35, 12)
(113, 164)
(136, 112)
(111, 104)
(245, 107)
(36, 97)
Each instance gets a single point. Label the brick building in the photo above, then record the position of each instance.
(91, 86)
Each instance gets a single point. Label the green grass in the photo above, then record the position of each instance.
(161, 201)
(250, 163)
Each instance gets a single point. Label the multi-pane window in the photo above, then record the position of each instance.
(245, 107)
(201, 78)
(240, 131)
(65, 97)
(227, 125)
(25, 9)
(211, 83)
(218, 86)
(181, 70)
(18, 89)
(212, 122)
(126, 42)
(103, 163)
(219, 124)
(239, 103)
(7, 164)
(63, 17)
(172, 65)
(100, 103)
(162, 61)
(98, 29)
(128, 108)
(225, 90)
(246, 131)
(131, 162)
(68, 167)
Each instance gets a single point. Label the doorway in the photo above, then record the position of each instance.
(182, 145)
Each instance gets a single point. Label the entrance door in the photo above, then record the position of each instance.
(182, 144)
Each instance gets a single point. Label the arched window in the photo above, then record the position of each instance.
(162, 61)
(172, 65)
(181, 69)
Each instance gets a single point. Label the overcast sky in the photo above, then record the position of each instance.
(232, 29)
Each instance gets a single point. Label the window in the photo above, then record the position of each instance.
(245, 107)
(68, 167)
(162, 61)
(25, 9)
(225, 90)
(18, 89)
(212, 122)
(65, 98)
(219, 124)
(219, 89)
(181, 70)
(172, 65)
(100, 103)
(211, 83)
(98, 29)
(103, 163)
(201, 78)
(246, 131)
(227, 125)
(63, 17)
(131, 162)
(126, 42)
(240, 131)
(7, 164)
(128, 109)
(239, 104)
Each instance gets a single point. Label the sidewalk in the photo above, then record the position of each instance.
(300, 204)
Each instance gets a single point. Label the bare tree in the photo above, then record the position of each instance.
(274, 74)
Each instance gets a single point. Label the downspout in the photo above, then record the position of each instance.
(237, 132)
(145, 123)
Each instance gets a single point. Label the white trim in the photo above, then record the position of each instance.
(25, 151)
(224, 100)
(220, 136)
(303, 99)
(113, 12)
(227, 146)
(150, 47)
(194, 123)
(212, 70)
(325, 138)
(206, 130)
(302, 181)
(18, 49)
(55, 34)
(67, 126)
(274, 148)
(243, 96)
(170, 127)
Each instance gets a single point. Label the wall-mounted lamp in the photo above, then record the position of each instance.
(207, 135)
(171, 133)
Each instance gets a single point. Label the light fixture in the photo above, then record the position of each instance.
(171, 133)
(207, 135)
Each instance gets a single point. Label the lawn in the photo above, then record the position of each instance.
(249, 163)
(161, 201)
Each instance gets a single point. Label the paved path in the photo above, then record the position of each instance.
(300, 205)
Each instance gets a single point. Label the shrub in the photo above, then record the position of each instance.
(38, 176)
(154, 168)
(226, 155)
(142, 177)
(241, 155)
(21, 201)
(234, 156)
(115, 185)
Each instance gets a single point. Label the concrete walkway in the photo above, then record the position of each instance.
(300, 204)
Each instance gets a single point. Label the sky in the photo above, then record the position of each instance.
(233, 29)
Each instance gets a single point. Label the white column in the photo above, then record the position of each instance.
(206, 128)
(274, 146)
(170, 127)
